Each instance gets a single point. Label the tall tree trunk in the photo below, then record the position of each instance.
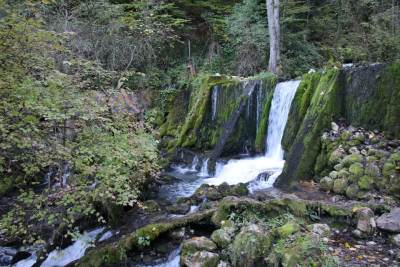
(274, 35)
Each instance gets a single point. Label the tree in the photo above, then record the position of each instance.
(274, 35)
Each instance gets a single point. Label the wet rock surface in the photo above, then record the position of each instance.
(390, 221)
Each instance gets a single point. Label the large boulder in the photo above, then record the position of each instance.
(390, 221)
(251, 246)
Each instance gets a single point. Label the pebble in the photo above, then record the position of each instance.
(371, 243)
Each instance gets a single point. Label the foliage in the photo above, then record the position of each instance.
(63, 145)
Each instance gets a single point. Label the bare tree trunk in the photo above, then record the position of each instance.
(274, 35)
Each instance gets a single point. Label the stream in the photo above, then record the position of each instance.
(258, 172)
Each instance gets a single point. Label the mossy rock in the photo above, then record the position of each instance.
(239, 190)
(356, 169)
(194, 244)
(326, 184)
(351, 159)
(340, 185)
(288, 229)
(250, 246)
(200, 259)
(366, 182)
(333, 174)
(338, 167)
(343, 173)
(352, 191)
(372, 169)
(221, 237)
(389, 169)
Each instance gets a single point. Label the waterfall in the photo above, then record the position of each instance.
(214, 102)
(279, 112)
(247, 170)
(204, 169)
(195, 162)
(259, 107)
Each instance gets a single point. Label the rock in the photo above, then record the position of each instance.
(359, 137)
(333, 174)
(151, 206)
(345, 135)
(178, 234)
(366, 182)
(198, 244)
(365, 221)
(336, 156)
(350, 159)
(364, 152)
(334, 127)
(6, 255)
(352, 191)
(390, 221)
(288, 229)
(371, 159)
(354, 150)
(200, 259)
(396, 240)
(251, 246)
(340, 186)
(207, 191)
(372, 169)
(322, 230)
(179, 208)
(326, 184)
(389, 169)
(343, 173)
(221, 237)
(239, 190)
(356, 169)
(338, 167)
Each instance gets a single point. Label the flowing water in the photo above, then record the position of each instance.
(214, 102)
(247, 170)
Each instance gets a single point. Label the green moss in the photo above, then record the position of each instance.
(298, 110)
(366, 182)
(356, 169)
(351, 159)
(263, 126)
(288, 229)
(325, 106)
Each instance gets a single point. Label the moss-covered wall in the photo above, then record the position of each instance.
(365, 96)
(325, 106)
(190, 123)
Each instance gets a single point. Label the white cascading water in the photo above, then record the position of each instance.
(204, 169)
(247, 170)
(214, 102)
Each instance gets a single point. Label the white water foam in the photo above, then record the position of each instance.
(247, 170)
(73, 252)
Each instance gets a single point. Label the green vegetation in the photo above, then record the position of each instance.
(63, 126)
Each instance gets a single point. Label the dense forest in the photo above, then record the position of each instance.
(199, 133)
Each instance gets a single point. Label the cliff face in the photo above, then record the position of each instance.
(366, 97)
